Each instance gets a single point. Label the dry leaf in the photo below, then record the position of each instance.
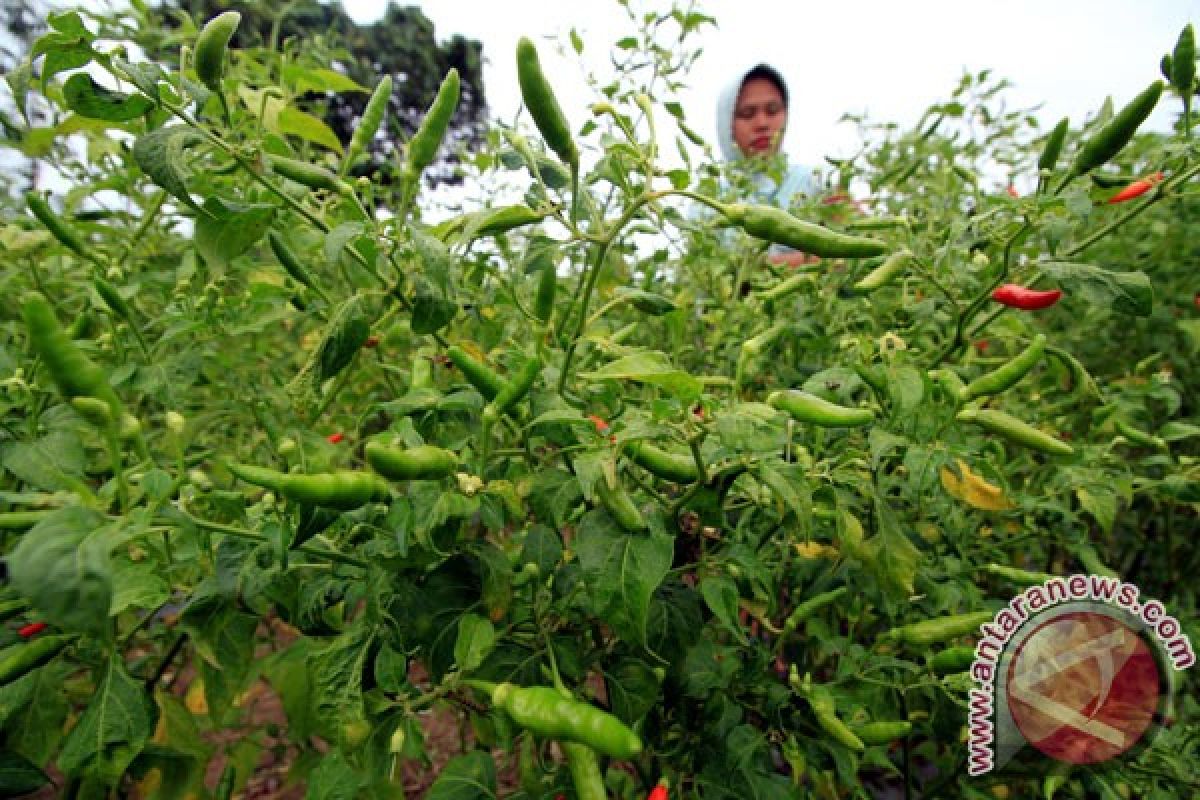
(974, 490)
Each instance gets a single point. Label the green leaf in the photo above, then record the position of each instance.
(476, 638)
(117, 724)
(1126, 292)
(907, 389)
(542, 547)
(137, 585)
(33, 710)
(708, 667)
(334, 779)
(294, 122)
(224, 636)
(651, 367)
(467, 777)
(1101, 503)
(793, 491)
(892, 557)
(336, 673)
(63, 569)
(228, 229)
(633, 689)
(18, 775)
(53, 462)
(287, 672)
(305, 79)
(1178, 431)
(622, 571)
(160, 154)
(432, 309)
(89, 99)
(721, 596)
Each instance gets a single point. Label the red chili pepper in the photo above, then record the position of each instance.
(659, 792)
(1014, 296)
(1012, 191)
(601, 425)
(1136, 189)
(982, 346)
(31, 630)
(335, 438)
(1196, 300)
(372, 342)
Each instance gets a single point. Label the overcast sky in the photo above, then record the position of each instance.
(886, 57)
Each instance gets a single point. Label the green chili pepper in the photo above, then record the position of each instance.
(931, 631)
(113, 299)
(1014, 430)
(40, 208)
(370, 122)
(875, 378)
(805, 407)
(25, 658)
(543, 301)
(949, 381)
(825, 711)
(12, 608)
(585, 772)
(307, 174)
(424, 463)
(421, 375)
(885, 273)
(73, 372)
(1018, 576)
(1165, 66)
(809, 607)
(21, 520)
(676, 467)
(952, 660)
(787, 287)
(344, 490)
(1054, 145)
(1090, 560)
(514, 391)
(291, 263)
(1109, 140)
(876, 223)
(778, 226)
(620, 505)
(478, 375)
(423, 147)
(1008, 375)
(546, 712)
(883, 731)
(539, 98)
(1183, 63)
(211, 44)
(94, 410)
(506, 218)
(1138, 436)
(756, 345)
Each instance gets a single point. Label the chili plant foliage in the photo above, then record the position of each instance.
(699, 518)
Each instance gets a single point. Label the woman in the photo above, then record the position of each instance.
(752, 113)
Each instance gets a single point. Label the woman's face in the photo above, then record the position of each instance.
(759, 118)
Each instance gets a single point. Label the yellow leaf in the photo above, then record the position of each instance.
(929, 532)
(811, 551)
(974, 490)
(195, 700)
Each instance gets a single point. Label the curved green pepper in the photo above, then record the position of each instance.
(1013, 429)
(423, 463)
(344, 490)
(805, 407)
(1008, 375)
